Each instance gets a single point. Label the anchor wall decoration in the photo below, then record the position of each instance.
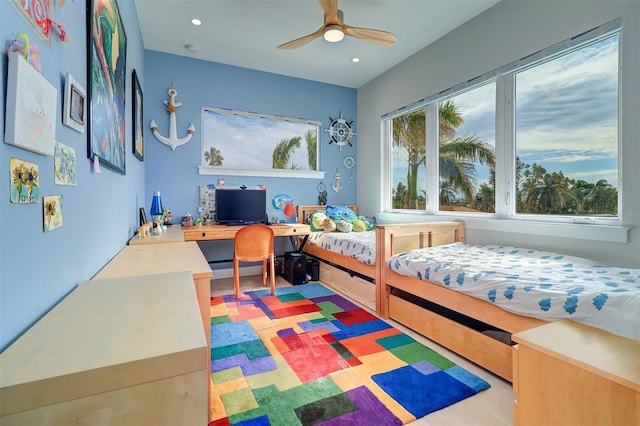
(173, 140)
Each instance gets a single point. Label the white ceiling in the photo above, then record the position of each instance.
(245, 33)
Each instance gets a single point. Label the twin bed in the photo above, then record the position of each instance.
(471, 298)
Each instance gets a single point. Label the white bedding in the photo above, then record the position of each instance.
(357, 245)
(544, 285)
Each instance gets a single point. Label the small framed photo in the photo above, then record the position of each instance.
(75, 102)
(138, 131)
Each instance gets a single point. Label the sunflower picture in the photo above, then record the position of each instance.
(52, 207)
(24, 180)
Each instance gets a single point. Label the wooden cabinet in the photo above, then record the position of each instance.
(126, 351)
(566, 373)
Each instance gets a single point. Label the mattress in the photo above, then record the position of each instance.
(545, 285)
(357, 245)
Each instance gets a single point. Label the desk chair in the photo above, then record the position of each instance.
(252, 244)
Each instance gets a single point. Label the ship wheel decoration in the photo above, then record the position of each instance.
(340, 131)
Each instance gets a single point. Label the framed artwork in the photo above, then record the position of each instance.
(138, 136)
(52, 212)
(38, 12)
(25, 184)
(30, 109)
(107, 53)
(64, 165)
(75, 101)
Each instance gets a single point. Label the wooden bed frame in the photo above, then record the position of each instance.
(368, 271)
(455, 320)
(419, 304)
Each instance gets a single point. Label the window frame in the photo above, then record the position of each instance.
(505, 173)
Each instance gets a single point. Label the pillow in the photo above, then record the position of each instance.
(343, 212)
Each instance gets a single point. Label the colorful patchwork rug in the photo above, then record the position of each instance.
(308, 356)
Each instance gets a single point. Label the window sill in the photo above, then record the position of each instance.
(286, 173)
(604, 233)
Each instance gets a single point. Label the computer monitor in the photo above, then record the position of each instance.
(241, 206)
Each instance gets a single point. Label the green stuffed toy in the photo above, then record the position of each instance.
(316, 221)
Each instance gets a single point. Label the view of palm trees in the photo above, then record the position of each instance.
(537, 190)
(240, 140)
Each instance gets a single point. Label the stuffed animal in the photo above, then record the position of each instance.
(316, 220)
(328, 225)
(338, 213)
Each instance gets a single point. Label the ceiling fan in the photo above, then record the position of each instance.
(334, 29)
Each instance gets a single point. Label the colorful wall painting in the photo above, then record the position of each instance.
(25, 183)
(52, 209)
(107, 76)
(31, 108)
(38, 12)
(64, 163)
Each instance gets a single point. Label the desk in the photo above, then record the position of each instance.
(223, 232)
(145, 259)
(173, 234)
(119, 351)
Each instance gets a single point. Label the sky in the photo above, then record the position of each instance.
(248, 143)
(566, 115)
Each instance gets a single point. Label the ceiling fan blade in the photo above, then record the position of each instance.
(375, 36)
(330, 8)
(299, 42)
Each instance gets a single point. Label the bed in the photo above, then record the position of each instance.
(348, 260)
(477, 328)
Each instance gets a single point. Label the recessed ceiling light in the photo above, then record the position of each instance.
(196, 21)
(355, 60)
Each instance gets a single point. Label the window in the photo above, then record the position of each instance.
(556, 114)
(277, 145)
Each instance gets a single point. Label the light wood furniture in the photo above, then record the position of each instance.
(136, 260)
(254, 243)
(145, 259)
(223, 232)
(418, 304)
(173, 234)
(567, 373)
(122, 351)
(342, 273)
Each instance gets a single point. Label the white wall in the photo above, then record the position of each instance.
(508, 31)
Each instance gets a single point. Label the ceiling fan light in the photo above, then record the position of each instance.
(333, 33)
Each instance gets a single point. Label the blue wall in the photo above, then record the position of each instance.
(37, 269)
(100, 213)
(201, 83)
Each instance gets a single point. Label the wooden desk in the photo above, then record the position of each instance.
(135, 260)
(145, 259)
(119, 351)
(567, 373)
(223, 232)
(173, 234)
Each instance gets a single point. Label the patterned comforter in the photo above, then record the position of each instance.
(544, 285)
(357, 245)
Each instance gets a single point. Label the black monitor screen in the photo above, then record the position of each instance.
(241, 206)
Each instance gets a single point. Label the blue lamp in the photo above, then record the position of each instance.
(156, 207)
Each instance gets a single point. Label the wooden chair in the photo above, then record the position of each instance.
(254, 243)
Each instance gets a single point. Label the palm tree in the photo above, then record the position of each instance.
(283, 151)
(409, 134)
(458, 155)
(213, 157)
(447, 193)
(312, 153)
(548, 195)
(458, 158)
(603, 195)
